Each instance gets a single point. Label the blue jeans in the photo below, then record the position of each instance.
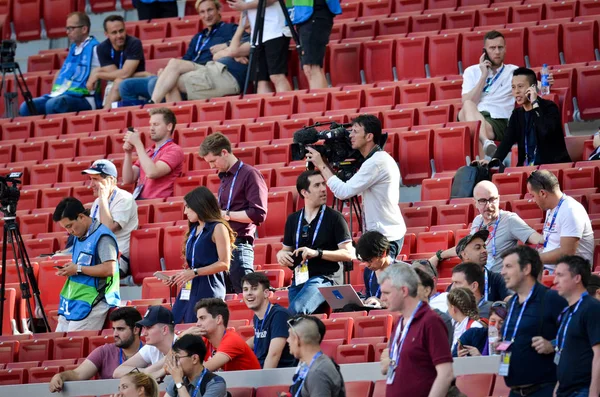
(134, 88)
(395, 248)
(306, 298)
(242, 263)
(583, 392)
(60, 104)
(546, 391)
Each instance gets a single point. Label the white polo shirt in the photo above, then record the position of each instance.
(499, 101)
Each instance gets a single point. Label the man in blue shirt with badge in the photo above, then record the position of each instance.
(270, 323)
(527, 355)
(578, 340)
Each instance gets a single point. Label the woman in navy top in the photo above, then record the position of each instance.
(207, 250)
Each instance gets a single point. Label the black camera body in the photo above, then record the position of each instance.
(10, 194)
(8, 50)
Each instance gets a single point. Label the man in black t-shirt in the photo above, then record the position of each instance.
(121, 56)
(315, 240)
(269, 321)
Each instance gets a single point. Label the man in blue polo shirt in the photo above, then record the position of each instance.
(527, 355)
(578, 340)
(270, 323)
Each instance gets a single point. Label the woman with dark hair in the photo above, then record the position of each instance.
(207, 250)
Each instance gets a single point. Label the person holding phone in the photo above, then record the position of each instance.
(535, 126)
(315, 240)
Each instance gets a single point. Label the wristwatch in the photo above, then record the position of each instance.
(178, 385)
(195, 271)
(226, 216)
(79, 270)
(439, 255)
(319, 253)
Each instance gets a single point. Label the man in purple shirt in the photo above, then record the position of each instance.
(105, 359)
(243, 200)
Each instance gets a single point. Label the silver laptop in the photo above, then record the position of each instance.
(338, 296)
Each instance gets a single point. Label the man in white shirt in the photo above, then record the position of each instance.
(158, 327)
(567, 229)
(115, 208)
(487, 92)
(377, 181)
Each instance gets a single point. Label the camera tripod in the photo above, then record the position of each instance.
(355, 209)
(10, 97)
(27, 281)
(257, 39)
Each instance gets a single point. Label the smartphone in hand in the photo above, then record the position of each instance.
(59, 267)
(529, 94)
(486, 57)
(130, 129)
(162, 276)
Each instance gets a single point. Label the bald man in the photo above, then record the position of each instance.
(505, 228)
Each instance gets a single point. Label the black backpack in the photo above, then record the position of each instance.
(207, 378)
(468, 176)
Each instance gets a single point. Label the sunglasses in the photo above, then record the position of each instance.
(535, 176)
(499, 304)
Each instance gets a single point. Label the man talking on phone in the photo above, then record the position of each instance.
(535, 126)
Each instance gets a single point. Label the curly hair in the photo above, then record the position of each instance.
(464, 301)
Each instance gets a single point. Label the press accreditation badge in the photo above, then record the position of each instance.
(137, 191)
(301, 274)
(504, 349)
(185, 291)
(556, 358)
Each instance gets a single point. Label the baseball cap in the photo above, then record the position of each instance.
(105, 167)
(156, 315)
(462, 244)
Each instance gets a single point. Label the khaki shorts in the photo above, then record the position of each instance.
(94, 321)
(498, 125)
(209, 81)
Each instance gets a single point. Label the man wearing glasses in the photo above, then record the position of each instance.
(315, 240)
(567, 228)
(505, 229)
(189, 377)
(69, 88)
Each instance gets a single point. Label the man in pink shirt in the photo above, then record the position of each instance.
(156, 168)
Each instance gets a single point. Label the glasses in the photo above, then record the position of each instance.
(490, 200)
(134, 371)
(538, 180)
(72, 28)
(178, 358)
(499, 304)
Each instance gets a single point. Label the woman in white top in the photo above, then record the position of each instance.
(462, 307)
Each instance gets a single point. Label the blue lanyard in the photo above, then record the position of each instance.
(396, 347)
(491, 80)
(566, 324)
(158, 149)
(112, 197)
(262, 324)
(553, 221)
(316, 229)
(302, 375)
(121, 355)
(515, 299)
(199, 47)
(371, 283)
(112, 55)
(194, 244)
(231, 187)
(197, 388)
(486, 290)
(492, 238)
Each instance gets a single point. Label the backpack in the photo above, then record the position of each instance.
(468, 176)
(207, 378)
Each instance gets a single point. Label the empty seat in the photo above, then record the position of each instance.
(558, 10)
(527, 13)
(436, 189)
(434, 241)
(578, 41)
(588, 100)
(415, 149)
(416, 93)
(153, 30)
(339, 328)
(35, 350)
(427, 22)
(494, 16)
(410, 57)
(542, 45)
(246, 108)
(510, 183)
(280, 206)
(361, 29)
(526, 209)
(419, 216)
(345, 61)
(381, 96)
(461, 19)
(168, 212)
(396, 25)
(399, 118)
(70, 347)
(435, 114)
(373, 326)
(457, 138)
(26, 19)
(280, 105)
(355, 353)
(454, 213)
(377, 60)
(443, 53)
(579, 178)
(42, 62)
(35, 223)
(145, 253)
(313, 102)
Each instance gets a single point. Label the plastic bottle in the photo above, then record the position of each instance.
(492, 337)
(545, 84)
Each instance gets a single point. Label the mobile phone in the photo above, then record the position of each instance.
(162, 276)
(460, 345)
(529, 94)
(130, 129)
(59, 267)
(486, 56)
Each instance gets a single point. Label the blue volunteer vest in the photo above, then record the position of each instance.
(301, 10)
(76, 69)
(80, 292)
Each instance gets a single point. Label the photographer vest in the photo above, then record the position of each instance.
(301, 10)
(80, 292)
(74, 74)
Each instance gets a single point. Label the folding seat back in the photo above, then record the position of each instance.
(145, 249)
(414, 151)
(49, 127)
(578, 41)
(354, 354)
(261, 131)
(155, 288)
(589, 101)
(493, 16)
(94, 146)
(450, 89)
(476, 385)
(339, 328)
(313, 102)
(42, 62)
(373, 8)
(378, 56)
(579, 178)
(34, 224)
(454, 213)
(275, 154)
(428, 22)
(453, 137)
(26, 19)
(246, 108)
(8, 348)
(52, 196)
(419, 216)
(361, 29)
(527, 13)
(416, 93)
(62, 148)
(443, 53)
(510, 183)
(410, 57)
(345, 60)
(13, 376)
(461, 19)
(17, 130)
(435, 114)
(71, 171)
(409, 6)
(35, 350)
(114, 120)
(70, 347)
(515, 42)
(41, 246)
(30, 151)
(436, 189)
(168, 49)
(527, 209)
(280, 204)
(396, 25)
(280, 105)
(543, 45)
(562, 9)
(154, 30)
(174, 237)
(30, 199)
(589, 8)
(373, 326)
(168, 212)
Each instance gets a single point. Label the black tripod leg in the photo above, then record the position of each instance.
(256, 42)
(22, 86)
(3, 277)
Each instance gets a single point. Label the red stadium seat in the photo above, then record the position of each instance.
(445, 90)
(246, 108)
(114, 120)
(271, 154)
(36, 223)
(558, 10)
(359, 388)
(515, 40)
(30, 151)
(355, 353)
(52, 196)
(457, 138)
(26, 19)
(526, 209)
(415, 150)
(461, 19)
(145, 253)
(579, 178)
(378, 56)
(510, 183)
(153, 30)
(543, 45)
(17, 130)
(345, 60)
(35, 350)
(13, 376)
(410, 57)
(476, 385)
(41, 246)
(419, 216)
(381, 96)
(174, 237)
(427, 23)
(416, 93)
(62, 148)
(443, 53)
(99, 6)
(262, 131)
(454, 213)
(187, 26)
(280, 206)
(588, 100)
(527, 13)
(399, 118)
(435, 114)
(167, 212)
(436, 189)
(339, 328)
(313, 102)
(578, 41)
(55, 15)
(8, 348)
(589, 8)
(499, 15)
(347, 99)
(373, 8)
(361, 29)
(373, 326)
(43, 62)
(155, 288)
(397, 25)
(71, 171)
(70, 347)
(280, 105)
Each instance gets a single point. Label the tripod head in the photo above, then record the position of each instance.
(9, 195)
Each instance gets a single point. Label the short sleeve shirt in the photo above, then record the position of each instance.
(123, 210)
(271, 327)
(234, 347)
(332, 232)
(171, 154)
(132, 51)
(106, 358)
(498, 101)
(216, 387)
(572, 220)
(323, 379)
(511, 228)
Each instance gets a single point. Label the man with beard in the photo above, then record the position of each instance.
(105, 359)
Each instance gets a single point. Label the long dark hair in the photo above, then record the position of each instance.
(204, 203)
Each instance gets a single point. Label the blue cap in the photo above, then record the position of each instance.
(105, 167)
(156, 315)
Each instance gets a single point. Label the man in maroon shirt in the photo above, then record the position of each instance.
(243, 201)
(418, 362)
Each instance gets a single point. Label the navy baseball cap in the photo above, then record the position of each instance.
(105, 167)
(156, 315)
(462, 244)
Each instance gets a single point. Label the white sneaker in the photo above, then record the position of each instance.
(489, 148)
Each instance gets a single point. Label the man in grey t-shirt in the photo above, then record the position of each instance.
(316, 374)
(505, 228)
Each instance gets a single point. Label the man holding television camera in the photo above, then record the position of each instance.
(377, 181)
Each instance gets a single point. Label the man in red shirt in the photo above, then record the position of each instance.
(157, 167)
(224, 350)
(421, 367)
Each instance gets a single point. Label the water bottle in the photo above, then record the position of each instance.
(492, 337)
(545, 84)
